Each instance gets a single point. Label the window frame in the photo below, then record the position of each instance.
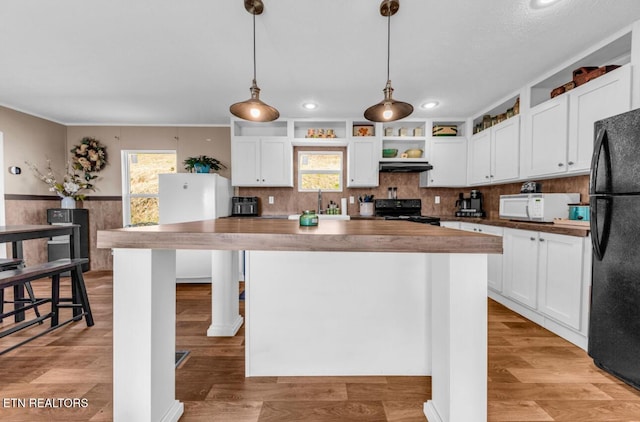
(339, 172)
(126, 186)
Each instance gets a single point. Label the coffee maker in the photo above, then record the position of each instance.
(471, 206)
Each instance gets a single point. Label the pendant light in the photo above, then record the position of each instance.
(254, 109)
(388, 109)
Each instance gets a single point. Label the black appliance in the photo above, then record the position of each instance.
(58, 247)
(403, 209)
(244, 205)
(404, 167)
(614, 190)
(471, 206)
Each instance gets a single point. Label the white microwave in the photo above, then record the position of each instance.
(540, 207)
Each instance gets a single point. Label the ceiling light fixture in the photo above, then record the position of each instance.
(309, 106)
(253, 109)
(388, 109)
(429, 105)
(538, 4)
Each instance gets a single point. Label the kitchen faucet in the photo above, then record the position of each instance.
(319, 201)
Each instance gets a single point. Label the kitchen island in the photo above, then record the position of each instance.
(450, 265)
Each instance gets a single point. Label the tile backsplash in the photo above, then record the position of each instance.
(290, 201)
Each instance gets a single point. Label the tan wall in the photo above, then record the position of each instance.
(29, 138)
(187, 141)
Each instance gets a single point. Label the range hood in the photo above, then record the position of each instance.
(405, 167)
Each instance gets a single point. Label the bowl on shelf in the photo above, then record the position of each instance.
(389, 153)
(414, 153)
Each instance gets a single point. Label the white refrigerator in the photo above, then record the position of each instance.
(191, 197)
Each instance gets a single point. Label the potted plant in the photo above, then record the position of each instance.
(202, 164)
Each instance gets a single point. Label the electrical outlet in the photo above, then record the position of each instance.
(352, 200)
(271, 200)
(437, 199)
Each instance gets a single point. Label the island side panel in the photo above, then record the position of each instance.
(144, 336)
(459, 381)
(337, 313)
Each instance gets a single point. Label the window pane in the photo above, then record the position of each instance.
(144, 169)
(315, 181)
(320, 161)
(144, 211)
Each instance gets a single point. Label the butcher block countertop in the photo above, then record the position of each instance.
(287, 235)
(565, 227)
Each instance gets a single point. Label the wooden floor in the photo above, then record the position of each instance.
(533, 376)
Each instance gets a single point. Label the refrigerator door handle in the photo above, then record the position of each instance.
(600, 144)
(599, 242)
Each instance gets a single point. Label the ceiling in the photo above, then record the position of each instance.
(168, 62)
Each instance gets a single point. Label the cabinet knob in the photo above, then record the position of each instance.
(541, 239)
(431, 180)
(571, 163)
(257, 180)
(486, 177)
(560, 165)
(491, 176)
(532, 238)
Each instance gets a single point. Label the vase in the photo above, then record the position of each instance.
(201, 168)
(68, 202)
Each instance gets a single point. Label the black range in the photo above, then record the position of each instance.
(403, 209)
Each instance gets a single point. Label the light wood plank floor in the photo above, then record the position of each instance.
(533, 376)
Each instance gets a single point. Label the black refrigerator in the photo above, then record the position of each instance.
(614, 196)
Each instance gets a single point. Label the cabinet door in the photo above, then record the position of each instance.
(362, 167)
(245, 161)
(545, 151)
(480, 158)
(560, 278)
(505, 150)
(603, 97)
(494, 276)
(520, 266)
(449, 159)
(276, 162)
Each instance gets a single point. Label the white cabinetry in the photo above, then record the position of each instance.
(494, 153)
(546, 279)
(261, 161)
(606, 96)
(545, 144)
(362, 169)
(560, 278)
(521, 266)
(448, 156)
(494, 275)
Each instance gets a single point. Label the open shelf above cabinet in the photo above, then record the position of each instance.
(245, 128)
(448, 128)
(498, 114)
(616, 52)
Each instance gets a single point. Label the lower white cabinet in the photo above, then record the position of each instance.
(546, 279)
(560, 278)
(494, 261)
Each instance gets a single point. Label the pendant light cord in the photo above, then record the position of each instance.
(388, 42)
(254, 45)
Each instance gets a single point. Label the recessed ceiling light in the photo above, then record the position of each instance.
(309, 106)
(429, 105)
(542, 3)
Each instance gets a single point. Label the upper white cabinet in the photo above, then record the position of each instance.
(606, 96)
(362, 162)
(262, 162)
(494, 153)
(448, 156)
(545, 143)
(261, 154)
(558, 132)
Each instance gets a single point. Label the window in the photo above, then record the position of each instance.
(319, 170)
(140, 171)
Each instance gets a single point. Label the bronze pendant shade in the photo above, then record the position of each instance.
(388, 109)
(254, 109)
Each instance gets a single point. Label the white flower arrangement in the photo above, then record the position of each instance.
(71, 184)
